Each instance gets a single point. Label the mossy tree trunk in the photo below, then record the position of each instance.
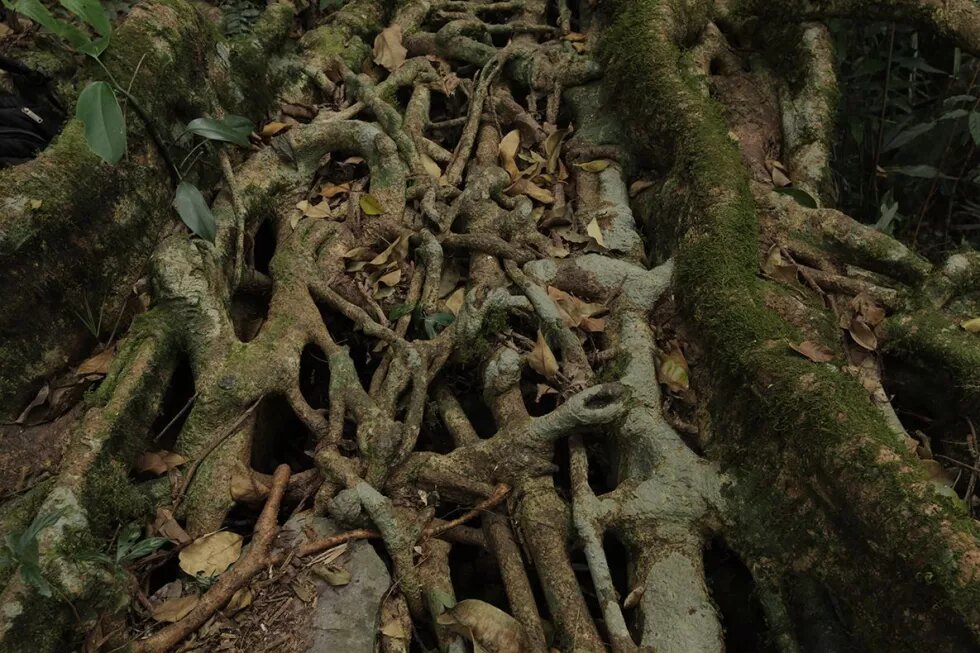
(403, 340)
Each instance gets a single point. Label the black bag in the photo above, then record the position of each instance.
(28, 119)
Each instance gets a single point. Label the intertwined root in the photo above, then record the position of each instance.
(337, 286)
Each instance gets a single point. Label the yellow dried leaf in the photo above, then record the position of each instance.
(370, 205)
(431, 167)
(673, 371)
(273, 129)
(594, 166)
(779, 179)
(388, 49)
(210, 555)
(507, 152)
(36, 204)
(541, 359)
(392, 278)
(398, 250)
(394, 629)
(360, 254)
(173, 610)
(972, 325)
(574, 37)
(98, 364)
(455, 301)
(334, 575)
(158, 462)
(552, 148)
(577, 313)
(814, 351)
(593, 230)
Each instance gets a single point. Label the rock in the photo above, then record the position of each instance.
(345, 617)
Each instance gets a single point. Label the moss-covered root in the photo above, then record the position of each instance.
(842, 440)
(92, 495)
(957, 20)
(70, 223)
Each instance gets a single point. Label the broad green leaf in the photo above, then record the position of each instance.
(909, 135)
(435, 323)
(802, 197)
(31, 574)
(105, 129)
(974, 122)
(400, 310)
(230, 129)
(78, 39)
(91, 12)
(194, 211)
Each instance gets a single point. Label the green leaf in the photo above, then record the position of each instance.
(922, 171)
(400, 310)
(230, 129)
(435, 323)
(141, 549)
(31, 574)
(194, 211)
(78, 39)
(105, 129)
(802, 197)
(908, 135)
(974, 122)
(91, 12)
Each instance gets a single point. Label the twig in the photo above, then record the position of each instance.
(489, 503)
(255, 560)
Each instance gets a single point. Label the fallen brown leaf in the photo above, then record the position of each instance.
(541, 359)
(815, 351)
(210, 555)
(388, 49)
(173, 610)
(158, 462)
(98, 364)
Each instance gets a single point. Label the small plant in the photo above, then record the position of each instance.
(105, 124)
(130, 547)
(22, 551)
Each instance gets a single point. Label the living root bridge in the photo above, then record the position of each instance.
(479, 315)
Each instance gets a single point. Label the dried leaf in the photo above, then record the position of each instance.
(165, 524)
(972, 325)
(633, 598)
(594, 166)
(173, 610)
(593, 230)
(485, 625)
(388, 49)
(431, 167)
(532, 190)
(240, 600)
(672, 370)
(273, 129)
(370, 205)
(779, 179)
(639, 186)
(574, 37)
(246, 489)
(335, 576)
(321, 210)
(455, 301)
(304, 589)
(541, 390)
(552, 148)
(392, 278)
(98, 364)
(39, 400)
(862, 334)
(815, 351)
(507, 152)
(394, 629)
(776, 266)
(329, 190)
(577, 313)
(864, 305)
(541, 359)
(210, 555)
(158, 462)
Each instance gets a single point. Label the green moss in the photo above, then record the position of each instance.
(111, 500)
